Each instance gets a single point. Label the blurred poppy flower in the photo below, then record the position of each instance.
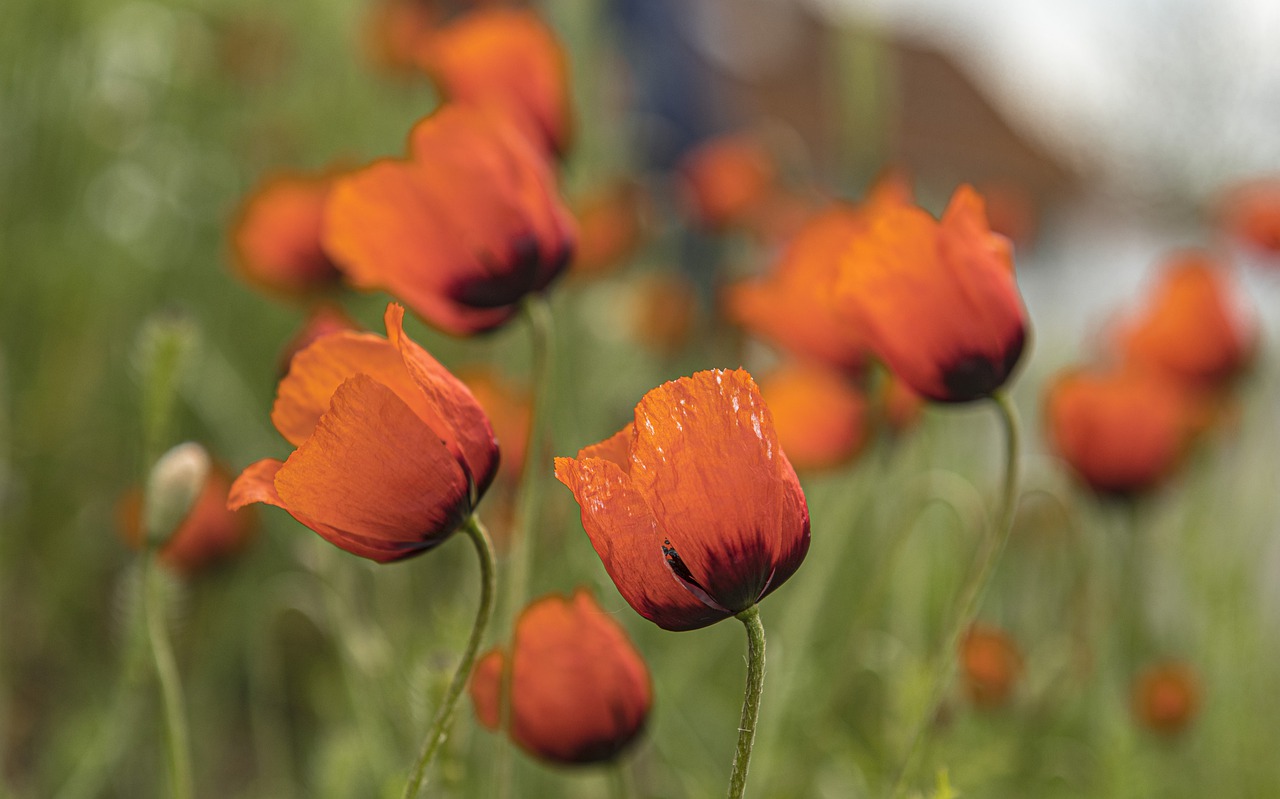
(693, 508)
(322, 320)
(937, 300)
(392, 453)
(726, 179)
(663, 311)
(507, 59)
(580, 692)
(900, 405)
(396, 29)
(1011, 210)
(460, 231)
(991, 664)
(1250, 213)
(1123, 431)
(1166, 697)
(275, 237)
(609, 228)
(510, 411)
(209, 535)
(821, 419)
(1193, 327)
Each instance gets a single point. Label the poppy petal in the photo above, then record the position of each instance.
(257, 483)
(615, 449)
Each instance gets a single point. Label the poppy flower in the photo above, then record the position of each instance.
(580, 692)
(1250, 213)
(991, 665)
(509, 60)
(821, 419)
(461, 230)
(393, 452)
(900, 405)
(510, 411)
(321, 320)
(396, 29)
(663, 308)
(937, 300)
(693, 508)
(1166, 697)
(1120, 432)
(609, 228)
(726, 179)
(1193, 328)
(275, 237)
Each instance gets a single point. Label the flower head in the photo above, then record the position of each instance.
(1250, 213)
(392, 453)
(726, 179)
(693, 508)
(275, 237)
(461, 230)
(580, 693)
(1166, 697)
(991, 664)
(821, 418)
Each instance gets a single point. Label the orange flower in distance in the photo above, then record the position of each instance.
(396, 29)
(821, 419)
(392, 453)
(609, 228)
(725, 179)
(507, 59)
(275, 237)
(510, 411)
(693, 508)
(1166, 697)
(210, 534)
(664, 311)
(580, 692)
(460, 231)
(1250, 213)
(1193, 327)
(991, 664)
(322, 320)
(937, 300)
(1121, 432)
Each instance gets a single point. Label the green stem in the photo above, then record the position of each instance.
(750, 700)
(444, 716)
(973, 591)
(180, 782)
(621, 784)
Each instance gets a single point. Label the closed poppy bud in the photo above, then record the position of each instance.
(1166, 697)
(393, 452)
(1120, 432)
(460, 231)
(726, 179)
(580, 693)
(693, 508)
(276, 235)
(1251, 214)
(821, 419)
(991, 664)
(937, 300)
(1193, 328)
(507, 59)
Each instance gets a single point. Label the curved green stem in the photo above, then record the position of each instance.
(444, 716)
(971, 596)
(750, 700)
(179, 744)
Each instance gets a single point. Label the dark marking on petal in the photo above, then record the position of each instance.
(976, 376)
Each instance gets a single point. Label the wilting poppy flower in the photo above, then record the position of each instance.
(991, 665)
(1121, 432)
(275, 237)
(507, 59)
(392, 453)
(821, 419)
(460, 231)
(726, 179)
(609, 227)
(210, 534)
(580, 693)
(1166, 697)
(510, 411)
(1251, 214)
(1194, 327)
(937, 300)
(693, 508)
(321, 320)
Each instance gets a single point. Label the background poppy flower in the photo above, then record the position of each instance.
(509, 408)
(460, 231)
(937, 300)
(1166, 697)
(392, 452)
(726, 179)
(991, 663)
(580, 692)
(322, 320)
(821, 419)
(1251, 214)
(275, 237)
(694, 509)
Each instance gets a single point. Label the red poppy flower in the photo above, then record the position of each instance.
(462, 230)
(392, 453)
(726, 179)
(1194, 327)
(991, 664)
(1251, 214)
(1121, 432)
(694, 509)
(276, 235)
(937, 300)
(507, 59)
(580, 693)
(1166, 697)
(821, 419)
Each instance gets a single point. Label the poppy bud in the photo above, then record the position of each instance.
(1166, 697)
(991, 664)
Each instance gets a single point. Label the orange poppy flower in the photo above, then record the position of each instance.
(937, 300)
(580, 691)
(664, 311)
(210, 534)
(726, 179)
(321, 320)
(507, 59)
(1251, 214)
(462, 230)
(1166, 697)
(1121, 432)
(609, 228)
(821, 419)
(693, 508)
(510, 411)
(396, 29)
(275, 237)
(900, 405)
(991, 664)
(392, 453)
(1193, 328)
